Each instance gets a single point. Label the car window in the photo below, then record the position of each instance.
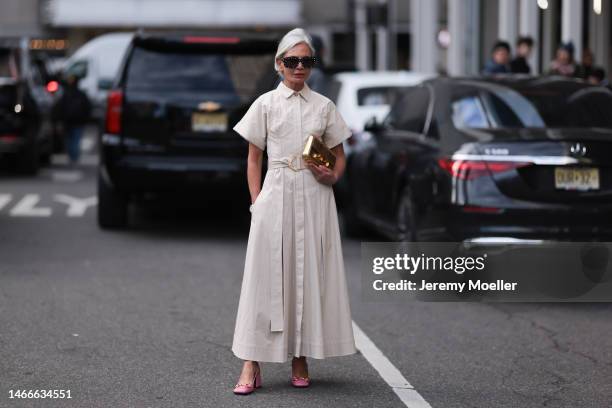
(37, 76)
(409, 113)
(544, 106)
(8, 63)
(586, 107)
(379, 95)
(199, 72)
(468, 112)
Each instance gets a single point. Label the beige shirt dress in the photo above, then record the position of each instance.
(294, 298)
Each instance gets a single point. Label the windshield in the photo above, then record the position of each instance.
(496, 106)
(378, 96)
(203, 73)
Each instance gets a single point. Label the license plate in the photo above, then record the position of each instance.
(208, 122)
(576, 179)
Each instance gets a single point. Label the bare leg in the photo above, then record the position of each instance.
(299, 367)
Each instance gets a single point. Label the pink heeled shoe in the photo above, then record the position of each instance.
(300, 382)
(244, 389)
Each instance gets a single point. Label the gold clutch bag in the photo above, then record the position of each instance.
(316, 150)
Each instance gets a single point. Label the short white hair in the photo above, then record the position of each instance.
(290, 40)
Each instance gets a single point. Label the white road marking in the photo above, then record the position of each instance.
(86, 159)
(392, 376)
(69, 176)
(5, 199)
(76, 206)
(87, 143)
(26, 207)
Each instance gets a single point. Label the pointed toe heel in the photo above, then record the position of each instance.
(244, 389)
(300, 382)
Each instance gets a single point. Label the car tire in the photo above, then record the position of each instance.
(112, 206)
(406, 217)
(28, 160)
(45, 159)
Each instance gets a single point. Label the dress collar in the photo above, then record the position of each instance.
(287, 92)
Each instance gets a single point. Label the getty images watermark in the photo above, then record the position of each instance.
(422, 263)
(453, 271)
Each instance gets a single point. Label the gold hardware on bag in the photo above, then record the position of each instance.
(316, 150)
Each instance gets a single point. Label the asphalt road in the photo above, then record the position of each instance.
(145, 318)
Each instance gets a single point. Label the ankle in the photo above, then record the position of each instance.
(254, 365)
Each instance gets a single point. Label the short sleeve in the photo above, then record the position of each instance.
(336, 130)
(252, 126)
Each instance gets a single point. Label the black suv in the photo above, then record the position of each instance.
(170, 116)
(26, 132)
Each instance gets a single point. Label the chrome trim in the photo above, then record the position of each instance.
(503, 240)
(549, 160)
(578, 149)
(110, 139)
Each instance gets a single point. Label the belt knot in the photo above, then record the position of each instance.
(295, 162)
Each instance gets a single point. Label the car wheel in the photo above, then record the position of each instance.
(406, 217)
(45, 159)
(28, 161)
(112, 206)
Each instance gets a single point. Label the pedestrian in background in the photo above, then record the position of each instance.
(72, 110)
(519, 65)
(598, 77)
(564, 63)
(294, 297)
(499, 63)
(585, 69)
(317, 81)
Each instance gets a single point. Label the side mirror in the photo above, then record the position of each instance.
(78, 69)
(372, 125)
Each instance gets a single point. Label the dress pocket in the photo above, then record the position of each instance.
(260, 196)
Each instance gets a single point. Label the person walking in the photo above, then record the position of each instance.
(72, 110)
(294, 296)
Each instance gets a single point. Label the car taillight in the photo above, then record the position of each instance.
(113, 112)
(211, 40)
(471, 169)
(52, 86)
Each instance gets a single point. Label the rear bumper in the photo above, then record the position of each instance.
(525, 227)
(11, 145)
(133, 174)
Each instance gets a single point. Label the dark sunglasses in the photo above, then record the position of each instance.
(292, 62)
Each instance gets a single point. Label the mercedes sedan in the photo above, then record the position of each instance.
(459, 159)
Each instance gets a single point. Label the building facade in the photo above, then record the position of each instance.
(452, 36)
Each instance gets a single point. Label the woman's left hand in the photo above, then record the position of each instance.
(323, 174)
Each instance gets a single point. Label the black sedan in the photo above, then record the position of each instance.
(500, 158)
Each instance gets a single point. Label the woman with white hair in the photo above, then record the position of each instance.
(294, 297)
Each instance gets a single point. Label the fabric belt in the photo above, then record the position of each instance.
(294, 161)
(277, 321)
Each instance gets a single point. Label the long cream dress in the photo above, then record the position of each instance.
(294, 298)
